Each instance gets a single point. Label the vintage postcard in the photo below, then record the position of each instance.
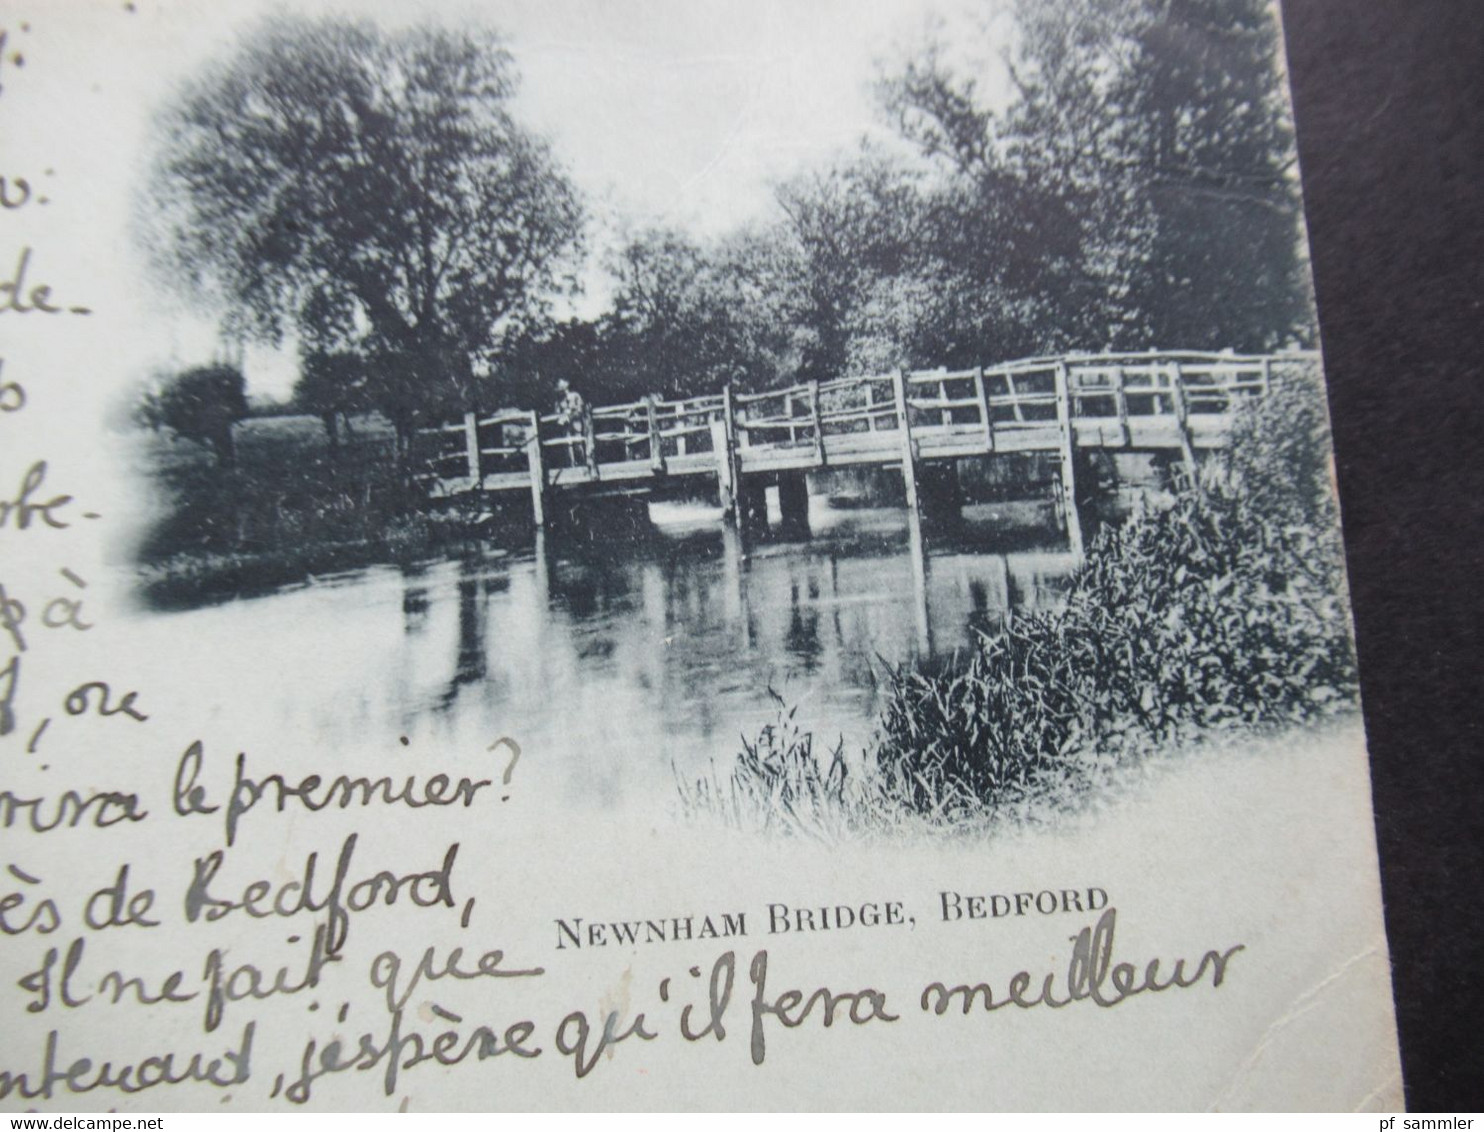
(673, 555)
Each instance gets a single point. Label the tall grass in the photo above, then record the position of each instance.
(1222, 612)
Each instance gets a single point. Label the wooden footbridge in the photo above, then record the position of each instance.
(1180, 403)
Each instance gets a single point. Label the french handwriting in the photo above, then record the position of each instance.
(63, 611)
(17, 192)
(313, 792)
(21, 911)
(1091, 976)
(25, 504)
(12, 393)
(18, 295)
(207, 899)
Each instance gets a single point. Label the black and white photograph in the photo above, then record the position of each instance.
(676, 498)
(914, 481)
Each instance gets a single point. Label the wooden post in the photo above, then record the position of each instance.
(589, 442)
(729, 469)
(538, 471)
(541, 561)
(736, 429)
(818, 425)
(1015, 396)
(726, 491)
(1121, 399)
(1267, 376)
(909, 448)
(917, 551)
(983, 394)
(734, 438)
(471, 450)
(793, 504)
(656, 442)
(1182, 418)
(1068, 475)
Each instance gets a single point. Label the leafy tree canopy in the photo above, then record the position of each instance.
(1147, 161)
(202, 404)
(366, 189)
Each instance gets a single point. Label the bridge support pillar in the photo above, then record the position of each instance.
(793, 504)
(939, 493)
(538, 471)
(1182, 418)
(909, 446)
(471, 450)
(1071, 513)
(752, 509)
(726, 479)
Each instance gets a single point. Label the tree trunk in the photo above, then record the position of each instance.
(225, 444)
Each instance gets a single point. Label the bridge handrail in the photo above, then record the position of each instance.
(834, 416)
(505, 416)
(1023, 393)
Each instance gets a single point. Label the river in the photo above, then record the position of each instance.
(619, 665)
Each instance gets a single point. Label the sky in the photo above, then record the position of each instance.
(683, 113)
(688, 113)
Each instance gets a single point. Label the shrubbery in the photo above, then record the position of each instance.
(1224, 611)
(289, 508)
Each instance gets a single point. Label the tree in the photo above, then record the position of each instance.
(331, 385)
(202, 404)
(845, 231)
(532, 362)
(1146, 157)
(371, 191)
(689, 318)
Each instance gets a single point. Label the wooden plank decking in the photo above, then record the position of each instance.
(1182, 402)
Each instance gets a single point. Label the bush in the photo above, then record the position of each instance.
(203, 404)
(1223, 611)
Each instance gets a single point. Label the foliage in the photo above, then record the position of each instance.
(688, 319)
(1223, 612)
(1207, 616)
(202, 404)
(1137, 191)
(777, 783)
(532, 363)
(844, 230)
(291, 508)
(332, 385)
(368, 190)
(1147, 162)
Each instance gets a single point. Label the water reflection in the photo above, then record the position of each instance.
(610, 665)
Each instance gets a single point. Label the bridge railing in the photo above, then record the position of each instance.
(477, 446)
(1027, 394)
(645, 431)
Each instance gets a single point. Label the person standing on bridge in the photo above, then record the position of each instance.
(570, 412)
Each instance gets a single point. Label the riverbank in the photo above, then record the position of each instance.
(1220, 613)
(293, 506)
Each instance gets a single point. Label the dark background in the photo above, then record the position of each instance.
(1389, 101)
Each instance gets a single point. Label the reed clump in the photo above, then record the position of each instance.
(1222, 612)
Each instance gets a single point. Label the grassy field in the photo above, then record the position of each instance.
(293, 506)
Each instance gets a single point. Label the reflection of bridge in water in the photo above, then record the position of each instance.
(922, 422)
(691, 613)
